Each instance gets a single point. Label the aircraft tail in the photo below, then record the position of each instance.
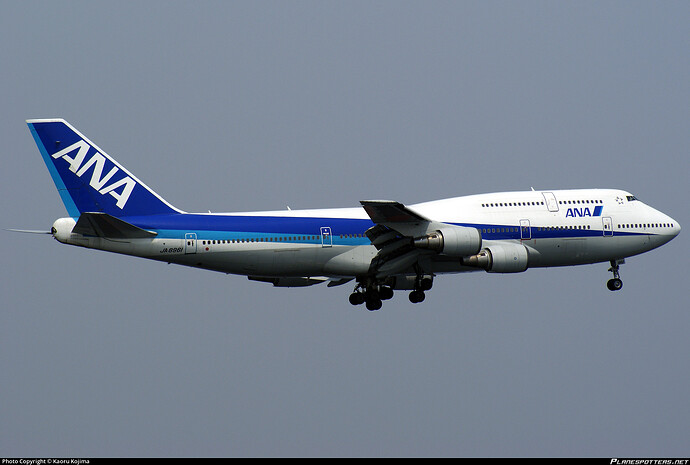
(87, 178)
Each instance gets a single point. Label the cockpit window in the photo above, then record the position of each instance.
(631, 198)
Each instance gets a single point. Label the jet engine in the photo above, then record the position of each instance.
(500, 258)
(456, 241)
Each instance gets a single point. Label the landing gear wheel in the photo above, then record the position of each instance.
(426, 284)
(374, 304)
(615, 284)
(417, 296)
(356, 298)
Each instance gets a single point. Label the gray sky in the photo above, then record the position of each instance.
(232, 106)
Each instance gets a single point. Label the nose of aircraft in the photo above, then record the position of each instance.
(676, 227)
(669, 228)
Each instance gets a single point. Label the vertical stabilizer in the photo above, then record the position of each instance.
(87, 178)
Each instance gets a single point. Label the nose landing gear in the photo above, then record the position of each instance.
(616, 283)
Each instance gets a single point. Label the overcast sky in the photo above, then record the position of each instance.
(245, 106)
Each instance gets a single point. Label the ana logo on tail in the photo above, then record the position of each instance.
(98, 181)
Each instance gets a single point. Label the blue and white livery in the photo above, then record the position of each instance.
(382, 245)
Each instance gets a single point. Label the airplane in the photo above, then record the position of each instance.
(381, 245)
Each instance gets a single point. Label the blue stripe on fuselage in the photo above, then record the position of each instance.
(250, 224)
(233, 227)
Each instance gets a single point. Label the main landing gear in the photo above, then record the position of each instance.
(616, 283)
(374, 293)
(421, 285)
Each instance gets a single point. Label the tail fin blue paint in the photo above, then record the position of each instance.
(87, 178)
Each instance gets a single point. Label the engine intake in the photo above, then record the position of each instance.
(500, 258)
(456, 241)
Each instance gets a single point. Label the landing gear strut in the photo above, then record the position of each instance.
(372, 299)
(421, 284)
(616, 283)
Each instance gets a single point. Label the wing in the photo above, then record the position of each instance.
(404, 238)
(394, 235)
(389, 211)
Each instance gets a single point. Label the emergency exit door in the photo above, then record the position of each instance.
(525, 230)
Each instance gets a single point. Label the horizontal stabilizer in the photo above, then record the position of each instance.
(104, 225)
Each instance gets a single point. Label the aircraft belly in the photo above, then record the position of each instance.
(349, 261)
(265, 261)
(301, 261)
(292, 261)
(580, 251)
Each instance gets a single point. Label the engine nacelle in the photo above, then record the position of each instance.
(500, 258)
(456, 241)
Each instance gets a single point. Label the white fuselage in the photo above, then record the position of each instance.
(558, 228)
